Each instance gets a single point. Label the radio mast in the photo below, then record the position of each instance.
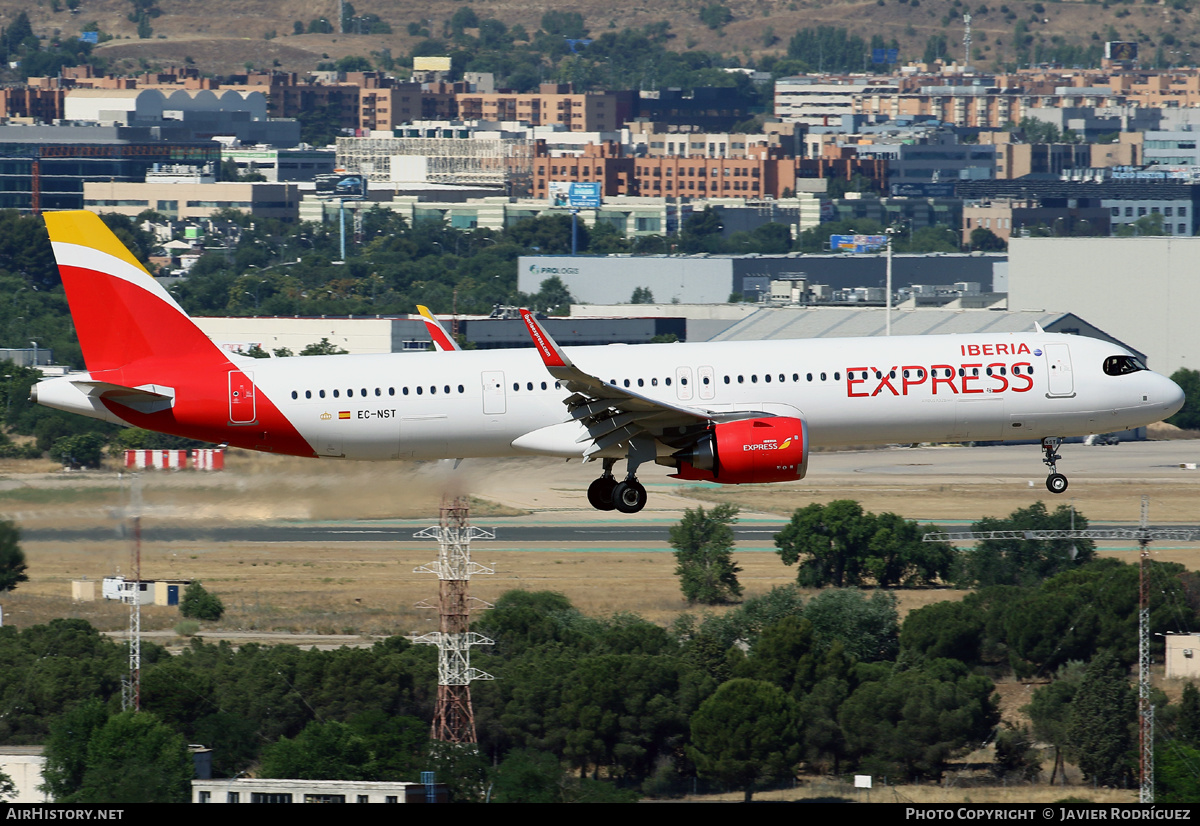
(453, 717)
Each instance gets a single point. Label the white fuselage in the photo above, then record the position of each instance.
(850, 391)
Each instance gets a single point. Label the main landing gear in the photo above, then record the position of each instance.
(606, 493)
(1055, 482)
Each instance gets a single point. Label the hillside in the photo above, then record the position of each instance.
(221, 36)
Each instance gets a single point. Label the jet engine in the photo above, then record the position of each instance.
(769, 449)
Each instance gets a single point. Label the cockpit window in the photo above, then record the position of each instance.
(1120, 365)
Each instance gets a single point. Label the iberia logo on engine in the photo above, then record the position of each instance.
(771, 444)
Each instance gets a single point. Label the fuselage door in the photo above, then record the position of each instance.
(683, 383)
(707, 382)
(1061, 381)
(241, 397)
(493, 392)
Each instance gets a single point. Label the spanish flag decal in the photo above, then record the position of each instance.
(344, 414)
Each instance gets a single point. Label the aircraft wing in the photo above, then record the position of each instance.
(442, 340)
(613, 415)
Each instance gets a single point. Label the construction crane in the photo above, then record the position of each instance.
(1143, 535)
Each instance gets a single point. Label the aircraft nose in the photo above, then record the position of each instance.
(1172, 396)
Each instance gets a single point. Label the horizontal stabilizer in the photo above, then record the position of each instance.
(147, 398)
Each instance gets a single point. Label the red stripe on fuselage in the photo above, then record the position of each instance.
(201, 408)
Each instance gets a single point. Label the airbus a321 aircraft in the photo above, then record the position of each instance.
(735, 412)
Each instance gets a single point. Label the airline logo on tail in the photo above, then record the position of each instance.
(441, 339)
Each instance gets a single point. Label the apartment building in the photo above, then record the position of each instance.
(553, 103)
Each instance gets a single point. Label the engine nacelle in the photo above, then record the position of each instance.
(773, 449)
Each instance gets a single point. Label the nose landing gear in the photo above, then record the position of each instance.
(1055, 482)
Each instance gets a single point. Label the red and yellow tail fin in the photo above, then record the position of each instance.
(442, 340)
(121, 314)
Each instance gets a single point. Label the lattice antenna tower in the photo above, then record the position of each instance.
(131, 686)
(1144, 534)
(454, 718)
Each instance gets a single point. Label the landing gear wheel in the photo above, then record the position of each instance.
(600, 493)
(1056, 483)
(629, 496)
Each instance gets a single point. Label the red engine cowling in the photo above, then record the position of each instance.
(771, 449)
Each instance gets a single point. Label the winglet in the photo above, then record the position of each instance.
(547, 348)
(441, 339)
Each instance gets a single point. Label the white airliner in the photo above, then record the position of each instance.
(732, 413)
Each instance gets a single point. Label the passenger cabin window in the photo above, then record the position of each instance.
(1120, 365)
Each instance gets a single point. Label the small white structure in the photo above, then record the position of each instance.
(1183, 655)
(148, 591)
(257, 790)
(24, 764)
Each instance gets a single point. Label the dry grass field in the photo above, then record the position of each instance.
(370, 588)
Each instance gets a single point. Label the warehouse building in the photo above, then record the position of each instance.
(711, 279)
(1141, 290)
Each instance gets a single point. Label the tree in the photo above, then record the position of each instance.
(1175, 778)
(528, 776)
(1025, 561)
(135, 758)
(916, 720)
(944, 630)
(985, 240)
(7, 787)
(828, 49)
(323, 751)
(1050, 712)
(703, 544)
(715, 15)
(197, 603)
(12, 558)
(1189, 415)
(839, 544)
(564, 23)
(66, 749)
(746, 731)
(827, 543)
(553, 296)
(641, 295)
(80, 450)
(702, 232)
(1016, 755)
(1039, 131)
(324, 347)
(1151, 224)
(1187, 726)
(1101, 722)
(868, 629)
